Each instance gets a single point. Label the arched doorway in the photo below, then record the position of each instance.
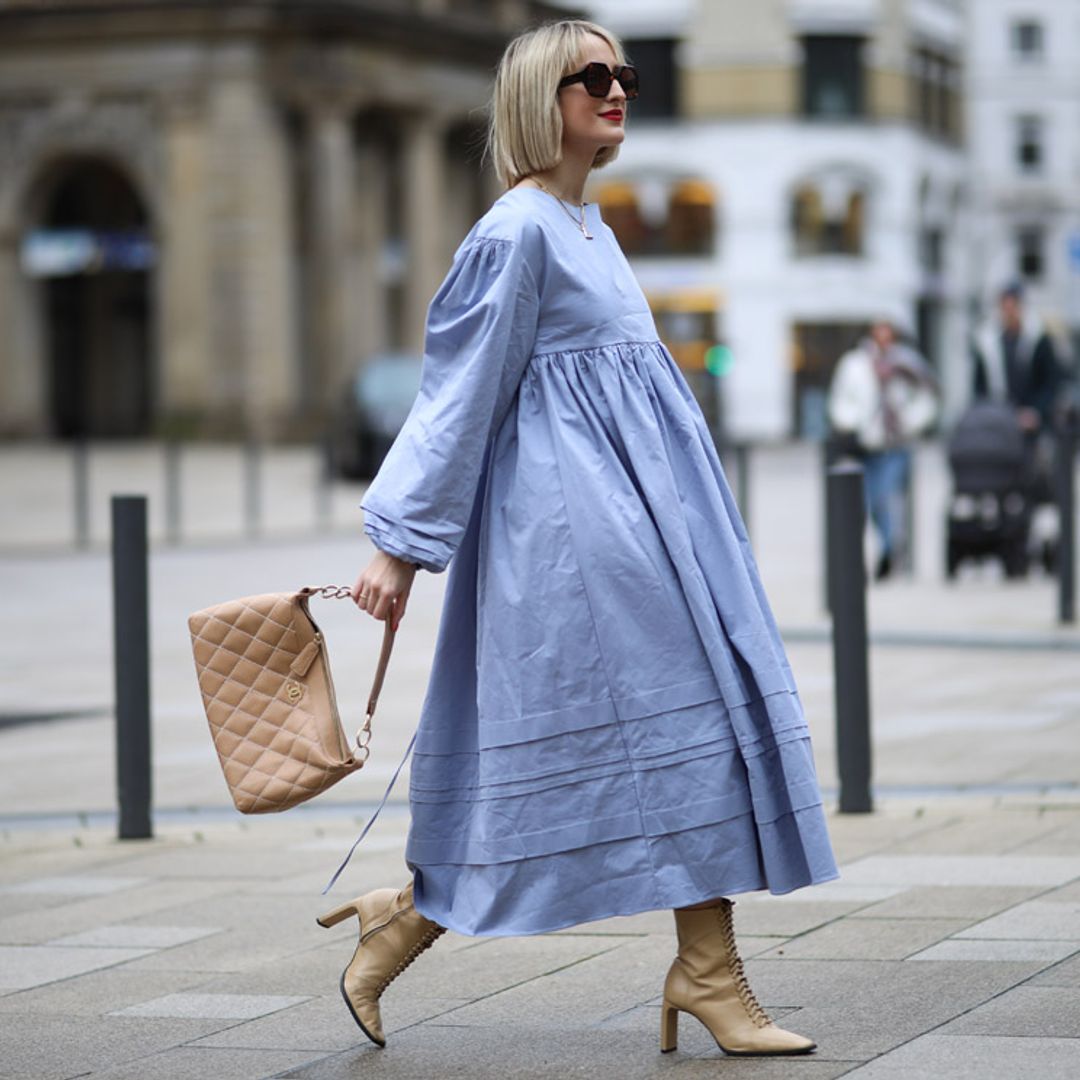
(91, 252)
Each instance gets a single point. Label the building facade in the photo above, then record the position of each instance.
(1023, 90)
(211, 214)
(793, 169)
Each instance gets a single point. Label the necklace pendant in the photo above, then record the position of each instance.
(585, 232)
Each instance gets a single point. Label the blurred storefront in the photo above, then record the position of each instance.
(211, 214)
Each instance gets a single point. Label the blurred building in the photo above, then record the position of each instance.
(1023, 89)
(794, 168)
(210, 214)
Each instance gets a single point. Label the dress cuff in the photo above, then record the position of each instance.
(405, 543)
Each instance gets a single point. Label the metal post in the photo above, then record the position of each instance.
(845, 524)
(1066, 500)
(830, 455)
(324, 490)
(131, 642)
(252, 487)
(80, 461)
(907, 562)
(173, 501)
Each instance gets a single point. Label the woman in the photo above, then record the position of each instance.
(611, 725)
(882, 396)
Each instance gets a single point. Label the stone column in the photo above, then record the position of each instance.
(252, 285)
(367, 287)
(424, 219)
(187, 363)
(24, 408)
(331, 228)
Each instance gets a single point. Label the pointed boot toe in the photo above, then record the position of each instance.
(392, 934)
(707, 981)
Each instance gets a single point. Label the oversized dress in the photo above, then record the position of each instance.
(611, 724)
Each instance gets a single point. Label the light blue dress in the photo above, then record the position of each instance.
(611, 724)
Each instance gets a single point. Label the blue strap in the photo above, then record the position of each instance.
(371, 820)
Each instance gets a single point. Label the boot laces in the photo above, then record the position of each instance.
(758, 1016)
(424, 943)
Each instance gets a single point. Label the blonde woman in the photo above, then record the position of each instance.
(611, 724)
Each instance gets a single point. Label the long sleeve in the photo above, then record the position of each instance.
(481, 326)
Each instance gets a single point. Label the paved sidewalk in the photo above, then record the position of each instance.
(950, 948)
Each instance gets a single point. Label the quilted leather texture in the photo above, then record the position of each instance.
(266, 687)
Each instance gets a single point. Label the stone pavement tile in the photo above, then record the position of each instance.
(138, 937)
(917, 870)
(975, 1057)
(1063, 841)
(772, 916)
(868, 939)
(52, 1046)
(490, 965)
(1034, 920)
(147, 901)
(834, 892)
(1066, 973)
(584, 992)
(26, 966)
(1005, 950)
(1025, 1011)
(646, 922)
(995, 833)
(195, 1006)
(326, 1024)
(855, 1010)
(210, 860)
(202, 1063)
(948, 902)
(98, 992)
(72, 885)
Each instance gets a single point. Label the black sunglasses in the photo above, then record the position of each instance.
(597, 79)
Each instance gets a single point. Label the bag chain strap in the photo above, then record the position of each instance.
(343, 592)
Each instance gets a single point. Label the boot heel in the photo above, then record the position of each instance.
(669, 1027)
(339, 914)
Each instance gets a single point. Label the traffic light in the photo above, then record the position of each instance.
(719, 359)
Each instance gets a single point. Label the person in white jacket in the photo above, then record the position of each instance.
(883, 394)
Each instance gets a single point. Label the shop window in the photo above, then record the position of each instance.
(691, 221)
(654, 59)
(834, 228)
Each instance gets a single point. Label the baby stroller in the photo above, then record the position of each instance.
(993, 490)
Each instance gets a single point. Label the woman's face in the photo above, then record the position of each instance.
(590, 123)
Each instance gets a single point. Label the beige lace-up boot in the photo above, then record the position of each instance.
(707, 981)
(392, 935)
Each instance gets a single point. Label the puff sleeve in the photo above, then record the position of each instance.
(479, 335)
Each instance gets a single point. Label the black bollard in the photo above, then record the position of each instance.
(1066, 500)
(845, 525)
(131, 643)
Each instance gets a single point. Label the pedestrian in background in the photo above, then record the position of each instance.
(1014, 362)
(882, 396)
(611, 724)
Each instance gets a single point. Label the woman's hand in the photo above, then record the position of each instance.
(382, 589)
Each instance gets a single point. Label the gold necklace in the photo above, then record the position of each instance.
(566, 210)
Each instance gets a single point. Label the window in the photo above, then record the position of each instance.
(1029, 144)
(1027, 39)
(833, 77)
(834, 229)
(936, 80)
(655, 60)
(1030, 244)
(661, 216)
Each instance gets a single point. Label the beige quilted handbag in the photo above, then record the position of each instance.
(265, 680)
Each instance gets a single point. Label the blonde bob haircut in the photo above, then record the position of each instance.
(524, 131)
